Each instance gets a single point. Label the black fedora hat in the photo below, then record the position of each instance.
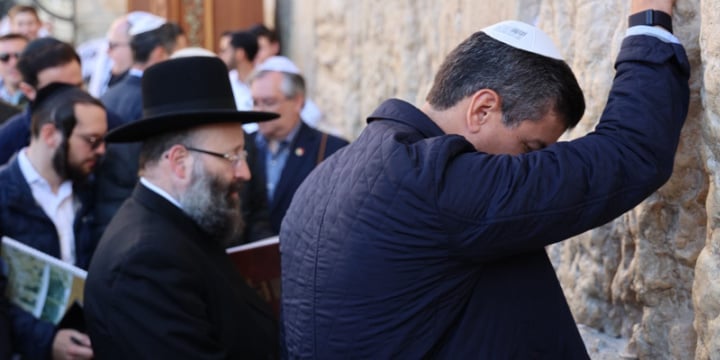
(183, 93)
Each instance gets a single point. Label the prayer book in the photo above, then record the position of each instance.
(259, 264)
(43, 285)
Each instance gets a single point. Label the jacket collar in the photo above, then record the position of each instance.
(403, 112)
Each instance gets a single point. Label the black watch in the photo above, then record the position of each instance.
(651, 18)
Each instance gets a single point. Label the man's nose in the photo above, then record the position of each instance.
(242, 171)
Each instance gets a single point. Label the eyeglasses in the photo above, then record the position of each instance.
(234, 159)
(267, 103)
(5, 57)
(93, 141)
(113, 45)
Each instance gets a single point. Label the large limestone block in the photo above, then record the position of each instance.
(706, 289)
(633, 276)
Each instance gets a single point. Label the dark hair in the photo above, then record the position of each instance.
(530, 85)
(260, 30)
(17, 9)
(143, 44)
(44, 53)
(153, 148)
(58, 108)
(176, 29)
(13, 36)
(247, 41)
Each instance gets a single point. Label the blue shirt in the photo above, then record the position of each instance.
(275, 162)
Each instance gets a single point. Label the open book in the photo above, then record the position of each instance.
(259, 263)
(41, 284)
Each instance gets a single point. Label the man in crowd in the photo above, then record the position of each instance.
(268, 42)
(11, 46)
(160, 284)
(244, 47)
(43, 61)
(45, 203)
(152, 40)
(25, 20)
(225, 52)
(114, 64)
(425, 237)
(287, 148)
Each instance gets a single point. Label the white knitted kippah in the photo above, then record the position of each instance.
(141, 21)
(523, 36)
(278, 63)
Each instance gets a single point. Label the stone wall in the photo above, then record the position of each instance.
(92, 18)
(650, 276)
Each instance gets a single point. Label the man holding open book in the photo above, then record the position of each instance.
(45, 203)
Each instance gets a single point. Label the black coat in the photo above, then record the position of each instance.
(409, 243)
(22, 219)
(158, 287)
(117, 173)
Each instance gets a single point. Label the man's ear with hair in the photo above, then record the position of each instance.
(157, 55)
(50, 135)
(239, 53)
(299, 102)
(179, 162)
(483, 103)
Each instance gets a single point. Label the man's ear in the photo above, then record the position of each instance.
(157, 55)
(299, 102)
(179, 161)
(239, 53)
(50, 136)
(483, 103)
(28, 90)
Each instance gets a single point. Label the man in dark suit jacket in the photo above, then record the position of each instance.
(44, 61)
(151, 41)
(45, 203)
(288, 149)
(161, 285)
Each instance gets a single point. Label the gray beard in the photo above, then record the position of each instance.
(207, 201)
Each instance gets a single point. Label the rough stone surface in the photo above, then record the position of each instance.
(706, 288)
(647, 279)
(92, 18)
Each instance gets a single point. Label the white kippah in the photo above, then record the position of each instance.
(523, 36)
(278, 63)
(141, 21)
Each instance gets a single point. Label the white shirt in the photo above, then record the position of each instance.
(243, 98)
(241, 92)
(60, 207)
(156, 189)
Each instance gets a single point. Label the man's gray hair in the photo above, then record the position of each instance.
(291, 86)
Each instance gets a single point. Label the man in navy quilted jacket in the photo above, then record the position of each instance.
(425, 237)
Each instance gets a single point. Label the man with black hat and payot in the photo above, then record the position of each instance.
(160, 285)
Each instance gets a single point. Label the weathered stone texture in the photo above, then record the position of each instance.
(706, 288)
(92, 18)
(650, 276)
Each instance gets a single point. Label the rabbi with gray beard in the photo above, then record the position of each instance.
(160, 285)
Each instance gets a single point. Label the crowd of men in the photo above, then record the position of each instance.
(62, 184)
(423, 238)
